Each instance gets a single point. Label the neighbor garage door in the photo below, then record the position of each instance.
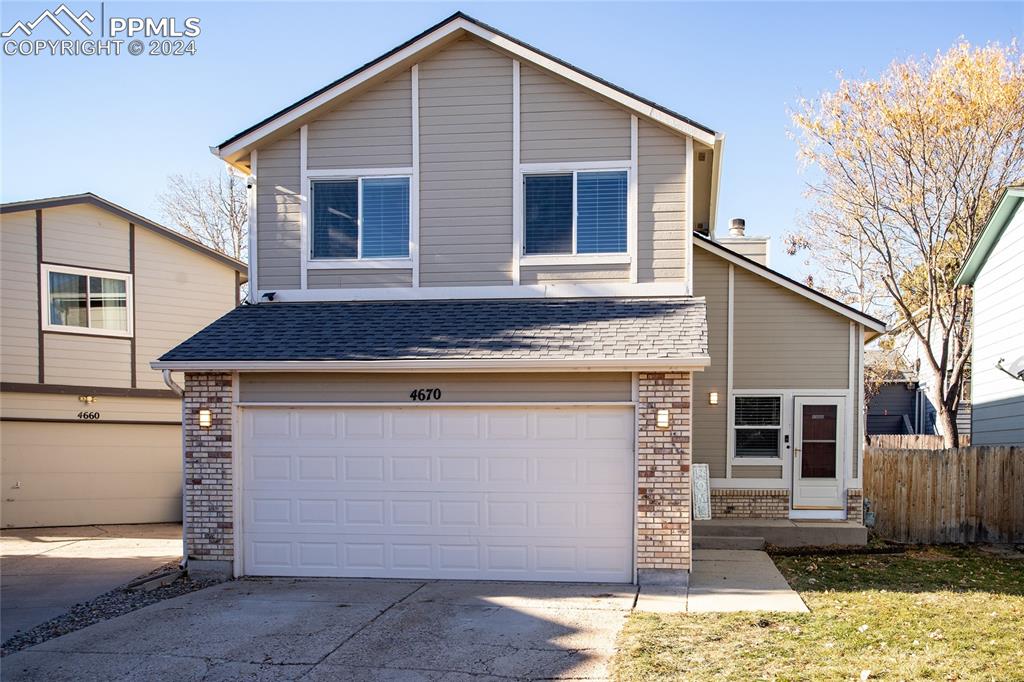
(507, 493)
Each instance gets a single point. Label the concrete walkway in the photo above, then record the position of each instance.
(725, 580)
(46, 571)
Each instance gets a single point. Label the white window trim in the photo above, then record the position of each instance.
(626, 257)
(359, 262)
(44, 302)
(757, 461)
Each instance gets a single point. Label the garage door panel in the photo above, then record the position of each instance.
(488, 493)
(395, 513)
(445, 557)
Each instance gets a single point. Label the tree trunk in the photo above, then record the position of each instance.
(946, 419)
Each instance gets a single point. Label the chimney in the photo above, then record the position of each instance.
(754, 248)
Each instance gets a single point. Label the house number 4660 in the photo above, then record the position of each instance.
(425, 394)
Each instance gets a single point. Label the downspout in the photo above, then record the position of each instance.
(180, 392)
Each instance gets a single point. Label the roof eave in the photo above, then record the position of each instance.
(870, 323)
(695, 363)
(99, 202)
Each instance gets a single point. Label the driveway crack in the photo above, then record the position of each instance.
(364, 626)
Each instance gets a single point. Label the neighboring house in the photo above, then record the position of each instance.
(994, 270)
(490, 336)
(913, 392)
(92, 293)
(897, 404)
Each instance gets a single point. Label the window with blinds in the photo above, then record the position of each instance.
(757, 426)
(575, 213)
(360, 218)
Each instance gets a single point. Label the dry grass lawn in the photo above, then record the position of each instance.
(934, 614)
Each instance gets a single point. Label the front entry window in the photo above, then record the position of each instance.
(820, 441)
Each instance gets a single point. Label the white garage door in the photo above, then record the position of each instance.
(511, 493)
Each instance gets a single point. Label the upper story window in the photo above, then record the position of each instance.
(87, 301)
(361, 218)
(575, 213)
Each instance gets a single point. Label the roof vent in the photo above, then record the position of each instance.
(737, 227)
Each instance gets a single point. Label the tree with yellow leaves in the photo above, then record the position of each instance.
(910, 164)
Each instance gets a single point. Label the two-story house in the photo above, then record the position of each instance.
(491, 331)
(92, 293)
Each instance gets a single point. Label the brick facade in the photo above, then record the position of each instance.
(855, 505)
(208, 469)
(749, 504)
(663, 474)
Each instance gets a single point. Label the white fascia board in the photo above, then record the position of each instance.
(697, 363)
(595, 290)
(290, 117)
(775, 278)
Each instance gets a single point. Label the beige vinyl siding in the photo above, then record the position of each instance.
(82, 360)
(279, 210)
(19, 291)
(710, 422)
(372, 131)
(563, 122)
(111, 408)
(95, 473)
(783, 340)
(106, 247)
(465, 167)
(741, 471)
(568, 274)
(355, 279)
(177, 293)
(471, 388)
(661, 188)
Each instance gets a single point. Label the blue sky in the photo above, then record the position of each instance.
(118, 126)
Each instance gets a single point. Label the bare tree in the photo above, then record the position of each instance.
(910, 165)
(213, 210)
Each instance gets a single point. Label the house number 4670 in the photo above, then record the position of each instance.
(425, 394)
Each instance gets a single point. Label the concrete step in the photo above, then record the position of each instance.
(728, 542)
(785, 532)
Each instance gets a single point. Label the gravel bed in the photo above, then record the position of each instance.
(104, 607)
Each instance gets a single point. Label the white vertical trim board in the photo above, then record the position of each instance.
(688, 214)
(857, 481)
(633, 202)
(634, 393)
(254, 205)
(729, 410)
(304, 198)
(236, 476)
(414, 182)
(517, 178)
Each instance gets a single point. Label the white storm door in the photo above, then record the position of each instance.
(818, 449)
(502, 493)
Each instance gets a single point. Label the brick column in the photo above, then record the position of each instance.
(663, 477)
(855, 505)
(209, 511)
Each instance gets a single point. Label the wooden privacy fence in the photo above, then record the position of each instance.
(958, 495)
(913, 441)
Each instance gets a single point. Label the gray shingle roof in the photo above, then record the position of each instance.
(486, 329)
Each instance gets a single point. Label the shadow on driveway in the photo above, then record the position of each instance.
(46, 571)
(332, 629)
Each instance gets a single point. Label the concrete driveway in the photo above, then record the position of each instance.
(46, 571)
(324, 629)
